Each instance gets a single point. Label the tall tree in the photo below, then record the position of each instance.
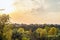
(3, 20)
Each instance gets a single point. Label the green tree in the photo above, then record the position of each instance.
(25, 38)
(47, 28)
(7, 31)
(3, 21)
(26, 35)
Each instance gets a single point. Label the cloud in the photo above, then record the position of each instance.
(54, 6)
(37, 11)
(38, 5)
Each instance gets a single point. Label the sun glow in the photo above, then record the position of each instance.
(7, 6)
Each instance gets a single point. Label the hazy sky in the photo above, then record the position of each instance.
(34, 11)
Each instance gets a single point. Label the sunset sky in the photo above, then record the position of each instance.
(32, 11)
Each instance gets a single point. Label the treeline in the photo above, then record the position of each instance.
(9, 31)
(35, 26)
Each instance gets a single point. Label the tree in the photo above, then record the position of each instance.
(52, 31)
(20, 30)
(47, 28)
(43, 33)
(7, 32)
(38, 30)
(26, 35)
(37, 33)
(3, 20)
(25, 38)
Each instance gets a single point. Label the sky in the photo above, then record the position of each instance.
(32, 11)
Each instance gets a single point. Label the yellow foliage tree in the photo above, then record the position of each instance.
(9, 35)
(38, 30)
(43, 33)
(52, 31)
(7, 32)
(20, 30)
